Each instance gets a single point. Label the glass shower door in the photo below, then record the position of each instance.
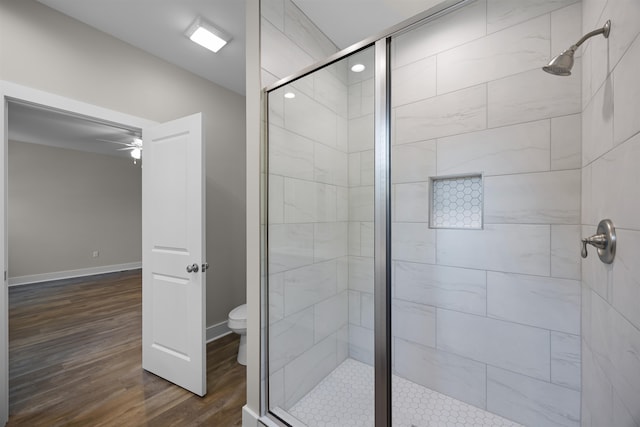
(320, 245)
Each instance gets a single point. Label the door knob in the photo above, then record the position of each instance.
(604, 240)
(193, 268)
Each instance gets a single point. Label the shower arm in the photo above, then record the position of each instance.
(604, 30)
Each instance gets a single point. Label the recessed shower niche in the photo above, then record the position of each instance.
(456, 202)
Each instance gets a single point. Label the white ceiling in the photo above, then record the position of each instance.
(158, 26)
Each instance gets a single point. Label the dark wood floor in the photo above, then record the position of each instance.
(75, 358)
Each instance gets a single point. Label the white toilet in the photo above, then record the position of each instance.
(238, 324)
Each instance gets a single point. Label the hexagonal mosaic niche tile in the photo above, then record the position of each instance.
(456, 202)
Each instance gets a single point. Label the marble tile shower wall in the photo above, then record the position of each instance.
(492, 316)
(610, 175)
(361, 199)
(307, 206)
(289, 41)
(308, 223)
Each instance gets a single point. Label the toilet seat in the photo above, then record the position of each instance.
(238, 317)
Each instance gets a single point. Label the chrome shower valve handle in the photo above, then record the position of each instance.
(597, 240)
(604, 241)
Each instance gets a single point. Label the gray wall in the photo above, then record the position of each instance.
(611, 178)
(64, 204)
(60, 55)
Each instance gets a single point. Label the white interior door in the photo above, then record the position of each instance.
(173, 253)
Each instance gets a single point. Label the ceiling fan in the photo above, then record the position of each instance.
(135, 146)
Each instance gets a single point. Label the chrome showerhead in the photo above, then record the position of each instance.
(561, 65)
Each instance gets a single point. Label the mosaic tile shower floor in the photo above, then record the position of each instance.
(345, 399)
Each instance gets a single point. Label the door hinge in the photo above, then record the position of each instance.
(5, 275)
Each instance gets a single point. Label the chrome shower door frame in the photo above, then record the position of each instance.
(382, 233)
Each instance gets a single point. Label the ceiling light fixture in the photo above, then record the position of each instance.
(289, 95)
(358, 68)
(206, 35)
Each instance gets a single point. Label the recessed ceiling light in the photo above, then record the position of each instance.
(289, 95)
(206, 35)
(358, 68)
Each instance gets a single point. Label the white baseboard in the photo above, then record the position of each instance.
(249, 418)
(218, 330)
(70, 274)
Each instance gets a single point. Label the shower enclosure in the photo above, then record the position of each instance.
(421, 240)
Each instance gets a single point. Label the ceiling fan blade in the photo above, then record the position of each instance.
(126, 148)
(114, 142)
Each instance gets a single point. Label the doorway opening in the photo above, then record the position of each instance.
(17, 94)
(74, 236)
(74, 196)
(173, 343)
